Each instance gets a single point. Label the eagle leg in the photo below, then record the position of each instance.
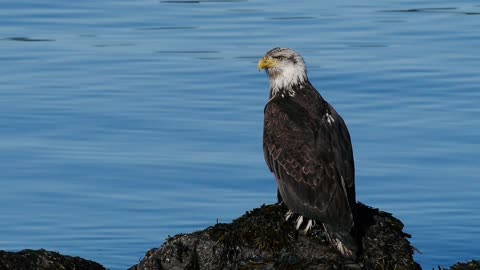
(279, 197)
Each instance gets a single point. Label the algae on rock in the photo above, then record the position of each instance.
(44, 260)
(262, 239)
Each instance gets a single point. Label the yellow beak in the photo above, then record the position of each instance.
(267, 62)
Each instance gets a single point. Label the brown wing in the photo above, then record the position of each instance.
(312, 162)
(344, 157)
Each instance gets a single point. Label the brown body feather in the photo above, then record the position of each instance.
(307, 147)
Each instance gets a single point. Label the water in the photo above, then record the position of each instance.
(127, 121)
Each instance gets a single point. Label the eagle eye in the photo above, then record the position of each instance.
(281, 58)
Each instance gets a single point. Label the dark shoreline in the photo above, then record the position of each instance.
(260, 239)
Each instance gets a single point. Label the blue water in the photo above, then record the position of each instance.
(123, 122)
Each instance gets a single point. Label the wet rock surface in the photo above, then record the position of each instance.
(44, 260)
(262, 239)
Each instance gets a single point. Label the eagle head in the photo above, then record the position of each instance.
(285, 67)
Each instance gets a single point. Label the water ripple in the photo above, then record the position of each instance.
(432, 9)
(26, 39)
(127, 121)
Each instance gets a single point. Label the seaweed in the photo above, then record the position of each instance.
(262, 239)
(44, 260)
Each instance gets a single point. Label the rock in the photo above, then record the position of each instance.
(472, 265)
(44, 260)
(262, 239)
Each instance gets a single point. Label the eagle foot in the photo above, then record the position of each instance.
(309, 226)
(288, 215)
(341, 247)
(299, 222)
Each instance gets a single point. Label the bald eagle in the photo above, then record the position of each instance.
(307, 147)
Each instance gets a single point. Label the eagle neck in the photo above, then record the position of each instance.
(289, 90)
